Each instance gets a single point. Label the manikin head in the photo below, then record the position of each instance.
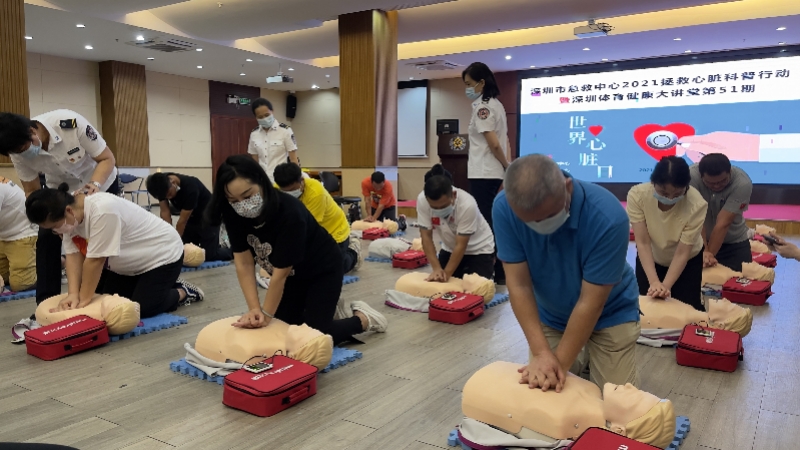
(539, 193)
(638, 415)
(715, 171)
(289, 179)
(193, 255)
(671, 178)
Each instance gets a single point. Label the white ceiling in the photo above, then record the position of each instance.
(223, 57)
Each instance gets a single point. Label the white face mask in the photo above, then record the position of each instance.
(295, 193)
(551, 224)
(249, 208)
(267, 122)
(67, 228)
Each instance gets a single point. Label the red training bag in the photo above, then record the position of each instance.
(746, 291)
(457, 308)
(601, 439)
(765, 259)
(409, 259)
(66, 337)
(374, 234)
(709, 348)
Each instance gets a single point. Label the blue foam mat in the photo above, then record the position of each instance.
(7, 297)
(497, 300)
(152, 324)
(339, 358)
(350, 279)
(206, 265)
(398, 234)
(682, 427)
(377, 259)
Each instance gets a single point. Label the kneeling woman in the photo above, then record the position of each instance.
(667, 216)
(275, 230)
(114, 246)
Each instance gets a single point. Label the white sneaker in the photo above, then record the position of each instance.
(355, 245)
(20, 328)
(263, 282)
(377, 321)
(343, 310)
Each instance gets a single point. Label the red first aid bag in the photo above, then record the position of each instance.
(66, 337)
(765, 259)
(457, 308)
(746, 291)
(374, 233)
(709, 348)
(267, 393)
(409, 259)
(602, 439)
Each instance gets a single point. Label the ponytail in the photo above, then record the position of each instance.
(48, 204)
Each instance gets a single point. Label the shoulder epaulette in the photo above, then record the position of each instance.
(68, 123)
(283, 125)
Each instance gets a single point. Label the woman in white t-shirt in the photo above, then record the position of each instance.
(114, 246)
(488, 142)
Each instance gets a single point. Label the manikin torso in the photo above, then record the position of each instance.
(415, 284)
(720, 274)
(387, 224)
(99, 308)
(667, 313)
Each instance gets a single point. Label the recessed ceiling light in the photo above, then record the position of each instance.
(242, 74)
(290, 69)
(677, 39)
(780, 28)
(150, 59)
(533, 67)
(314, 86)
(781, 43)
(327, 76)
(508, 56)
(199, 49)
(604, 59)
(688, 51)
(249, 60)
(88, 47)
(80, 25)
(586, 49)
(28, 38)
(199, 67)
(140, 38)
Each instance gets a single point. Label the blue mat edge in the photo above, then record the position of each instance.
(350, 279)
(151, 325)
(18, 296)
(376, 259)
(498, 299)
(342, 356)
(205, 266)
(682, 428)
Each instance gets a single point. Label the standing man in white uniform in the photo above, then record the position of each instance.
(66, 148)
(272, 142)
(488, 143)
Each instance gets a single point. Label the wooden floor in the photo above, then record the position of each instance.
(403, 394)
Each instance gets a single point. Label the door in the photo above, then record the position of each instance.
(229, 136)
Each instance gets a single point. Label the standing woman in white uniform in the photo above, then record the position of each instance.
(488, 143)
(114, 246)
(272, 142)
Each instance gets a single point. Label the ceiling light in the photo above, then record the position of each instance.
(780, 28)
(150, 59)
(314, 86)
(242, 74)
(290, 69)
(533, 67)
(249, 60)
(781, 43)
(199, 49)
(327, 76)
(80, 25)
(604, 59)
(508, 56)
(140, 38)
(586, 49)
(199, 67)
(410, 78)
(688, 51)
(88, 47)
(28, 38)
(677, 39)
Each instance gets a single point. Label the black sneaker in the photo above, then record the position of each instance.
(193, 293)
(401, 222)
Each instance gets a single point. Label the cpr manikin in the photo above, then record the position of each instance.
(415, 284)
(120, 314)
(758, 247)
(193, 255)
(387, 224)
(494, 396)
(720, 274)
(221, 342)
(416, 244)
(387, 247)
(672, 314)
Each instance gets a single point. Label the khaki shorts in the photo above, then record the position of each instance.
(610, 354)
(18, 263)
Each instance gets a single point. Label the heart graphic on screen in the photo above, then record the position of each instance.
(679, 129)
(595, 129)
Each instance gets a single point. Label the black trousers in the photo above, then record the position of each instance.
(207, 238)
(155, 291)
(48, 259)
(733, 255)
(484, 191)
(483, 265)
(387, 213)
(314, 303)
(349, 257)
(688, 285)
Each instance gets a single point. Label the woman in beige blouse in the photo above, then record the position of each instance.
(667, 217)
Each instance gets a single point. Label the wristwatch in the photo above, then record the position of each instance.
(97, 184)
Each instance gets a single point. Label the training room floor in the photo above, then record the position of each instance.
(404, 394)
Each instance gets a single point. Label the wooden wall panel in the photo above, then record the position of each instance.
(13, 61)
(123, 106)
(229, 136)
(385, 37)
(508, 82)
(217, 99)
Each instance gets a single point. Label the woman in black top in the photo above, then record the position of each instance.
(190, 197)
(275, 230)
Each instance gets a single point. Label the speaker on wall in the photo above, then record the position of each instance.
(291, 106)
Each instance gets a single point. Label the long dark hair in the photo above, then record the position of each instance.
(672, 170)
(479, 71)
(240, 166)
(48, 204)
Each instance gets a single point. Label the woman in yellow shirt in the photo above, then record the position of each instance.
(667, 216)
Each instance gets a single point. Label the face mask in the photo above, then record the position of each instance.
(250, 208)
(471, 94)
(443, 213)
(177, 188)
(549, 225)
(32, 151)
(667, 201)
(295, 193)
(67, 228)
(266, 122)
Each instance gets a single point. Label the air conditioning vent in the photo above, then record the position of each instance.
(414, 4)
(164, 45)
(434, 65)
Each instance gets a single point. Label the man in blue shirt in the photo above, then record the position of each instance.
(563, 244)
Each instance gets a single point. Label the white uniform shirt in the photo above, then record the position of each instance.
(14, 223)
(134, 240)
(272, 146)
(486, 116)
(74, 142)
(466, 220)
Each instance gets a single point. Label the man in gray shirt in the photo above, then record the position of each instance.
(727, 191)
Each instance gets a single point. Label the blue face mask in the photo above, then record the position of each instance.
(471, 94)
(443, 213)
(32, 151)
(267, 122)
(667, 201)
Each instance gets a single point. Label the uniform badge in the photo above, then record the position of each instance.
(90, 133)
(68, 124)
(294, 141)
(283, 125)
(73, 151)
(458, 143)
(483, 113)
(435, 221)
